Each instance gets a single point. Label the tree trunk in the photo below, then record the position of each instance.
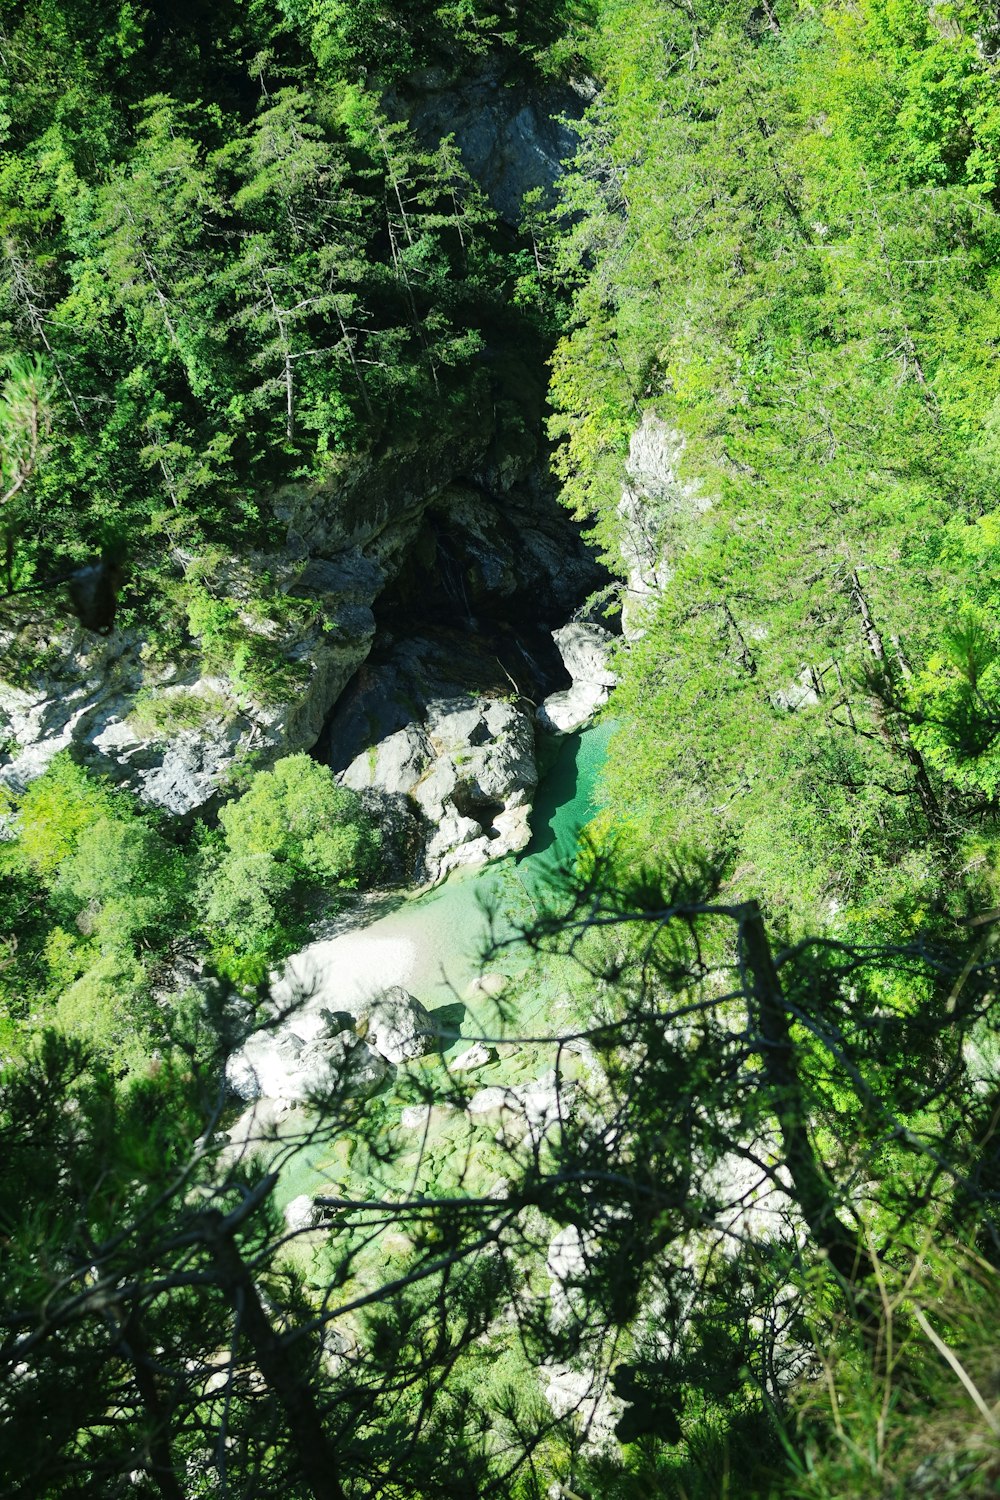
(316, 1457)
(891, 725)
(810, 1184)
(160, 1464)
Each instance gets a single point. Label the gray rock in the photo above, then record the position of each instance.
(565, 712)
(264, 1064)
(470, 770)
(489, 1101)
(479, 1055)
(584, 1395)
(654, 499)
(172, 735)
(422, 1116)
(397, 1026)
(798, 695)
(281, 1065)
(395, 765)
(586, 652)
(512, 137)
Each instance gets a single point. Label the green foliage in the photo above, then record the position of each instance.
(224, 270)
(56, 810)
(393, 39)
(292, 834)
(786, 246)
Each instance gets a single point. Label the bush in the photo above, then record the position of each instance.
(293, 835)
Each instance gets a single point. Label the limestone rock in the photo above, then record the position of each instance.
(586, 1396)
(512, 137)
(479, 1055)
(489, 1101)
(301, 1214)
(469, 768)
(488, 984)
(654, 498)
(586, 652)
(397, 1026)
(395, 765)
(281, 1065)
(421, 1116)
(172, 734)
(565, 712)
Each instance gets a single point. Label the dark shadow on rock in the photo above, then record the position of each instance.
(448, 1021)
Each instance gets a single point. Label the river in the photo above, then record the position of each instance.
(432, 944)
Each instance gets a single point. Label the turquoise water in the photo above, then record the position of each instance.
(448, 929)
(450, 925)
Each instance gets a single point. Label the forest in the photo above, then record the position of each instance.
(743, 1243)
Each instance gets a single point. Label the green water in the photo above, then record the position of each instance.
(450, 925)
(448, 930)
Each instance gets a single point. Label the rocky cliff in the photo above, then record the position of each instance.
(413, 589)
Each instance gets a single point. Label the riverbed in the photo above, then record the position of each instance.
(435, 944)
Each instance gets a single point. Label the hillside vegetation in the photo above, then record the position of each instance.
(739, 1240)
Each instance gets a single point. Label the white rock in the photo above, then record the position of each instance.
(488, 1101)
(301, 1213)
(586, 651)
(394, 765)
(398, 1026)
(280, 1065)
(470, 770)
(565, 712)
(653, 496)
(488, 984)
(416, 1116)
(585, 1395)
(476, 1056)
(421, 1116)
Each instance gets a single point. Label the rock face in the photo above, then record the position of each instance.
(586, 652)
(172, 733)
(654, 501)
(512, 136)
(469, 767)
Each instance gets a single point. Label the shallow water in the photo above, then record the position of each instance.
(433, 945)
(450, 926)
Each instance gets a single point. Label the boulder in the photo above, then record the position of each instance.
(479, 1055)
(301, 1214)
(395, 765)
(469, 768)
(586, 653)
(397, 1026)
(281, 1065)
(565, 712)
(341, 1062)
(489, 1101)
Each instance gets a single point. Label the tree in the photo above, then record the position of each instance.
(752, 1145)
(293, 833)
(26, 414)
